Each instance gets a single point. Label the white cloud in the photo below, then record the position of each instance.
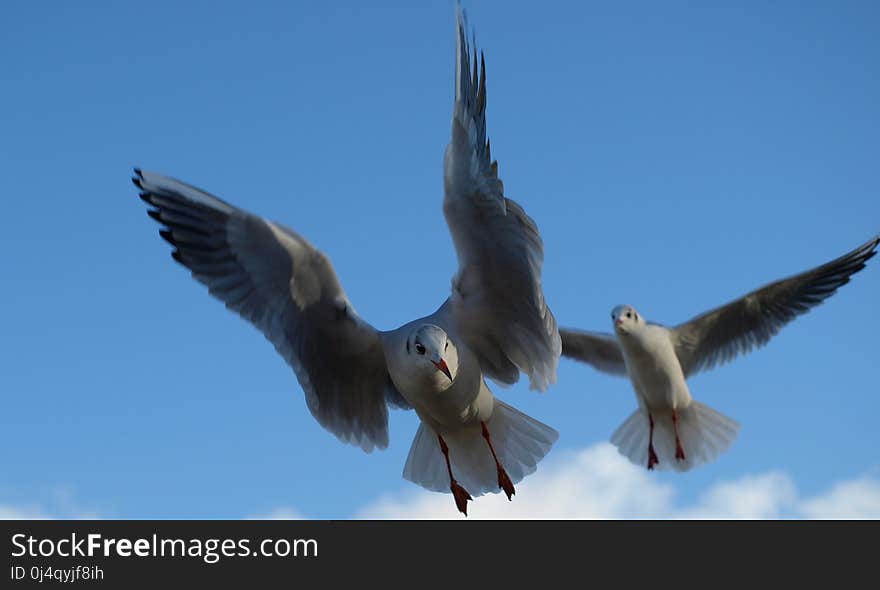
(858, 498)
(283, 513)
(59, 503)
(771, 495)
(599, 483)
(21, 513)
(594, 483)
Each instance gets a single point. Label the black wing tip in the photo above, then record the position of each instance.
(168, 236)
(858, 257)
(869, 246)
(460, 13)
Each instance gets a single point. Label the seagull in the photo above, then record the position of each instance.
(658, 361)
(495, 323)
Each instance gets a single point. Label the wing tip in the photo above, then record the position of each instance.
(871, 247)
(166, 235)
(138, 178)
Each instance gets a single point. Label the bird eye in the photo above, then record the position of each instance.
(629, 315)
(420, 348)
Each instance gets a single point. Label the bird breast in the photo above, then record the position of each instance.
(654, 368)
(448, 406)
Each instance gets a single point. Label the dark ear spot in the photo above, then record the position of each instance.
(407, 345)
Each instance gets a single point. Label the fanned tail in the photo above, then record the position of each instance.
(520, 441)
(704, 434)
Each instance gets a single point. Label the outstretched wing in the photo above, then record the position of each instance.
(276, 280)
(718, 336)
(497, 299)
(594, 348)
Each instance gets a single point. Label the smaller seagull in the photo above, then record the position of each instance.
(658, 361)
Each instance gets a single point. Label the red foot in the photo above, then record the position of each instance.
(652, 457)
(679, 451)
(504, 483)
(461, 496)
(503, 480)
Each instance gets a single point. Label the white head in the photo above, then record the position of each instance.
(433, 354)
(626, 318)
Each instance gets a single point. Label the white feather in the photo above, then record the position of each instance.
(519, 440)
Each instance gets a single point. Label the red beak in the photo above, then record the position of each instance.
(618, 322)
(441, 366)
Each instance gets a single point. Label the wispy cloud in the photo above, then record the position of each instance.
(59, 503)
(283, 513)
(598, 483)
(858, 498)
(34, 512)
(594, 483)
(8, 512)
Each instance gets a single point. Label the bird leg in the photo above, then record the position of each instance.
(460, 494)
(679, 450)
(652, 456)
(503, 479)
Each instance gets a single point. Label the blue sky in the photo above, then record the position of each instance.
(674, 156)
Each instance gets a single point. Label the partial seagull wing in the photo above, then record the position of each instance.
(718, 336)
(497, 299)
(594, 348)
(276, 280)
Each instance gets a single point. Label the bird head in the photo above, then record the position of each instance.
(625, 318)
(433, 353)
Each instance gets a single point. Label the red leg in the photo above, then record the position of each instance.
(679, 450)
(503, 479)
(459, 493)
(652, 456)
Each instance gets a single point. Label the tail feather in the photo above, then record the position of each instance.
(704, 434)
(519, 440)
(425, 464)
(631, 438)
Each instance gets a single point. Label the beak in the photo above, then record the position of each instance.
(618, 322)
(441, 366)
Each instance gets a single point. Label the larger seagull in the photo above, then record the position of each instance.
(658, 360)
(494, 324)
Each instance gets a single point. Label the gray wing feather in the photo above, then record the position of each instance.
(594, 348)
(720, 335)
(497, 299)
(276, 280)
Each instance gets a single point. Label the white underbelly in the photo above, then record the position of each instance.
(660, 389)
(457, 407)
(656, 374)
